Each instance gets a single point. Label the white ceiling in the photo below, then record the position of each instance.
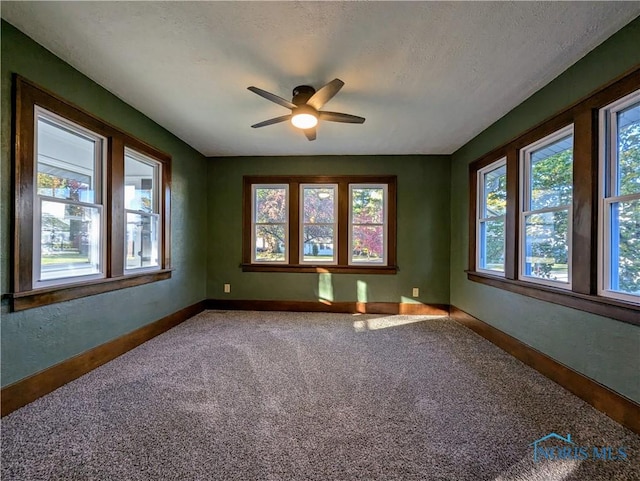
(428, 76)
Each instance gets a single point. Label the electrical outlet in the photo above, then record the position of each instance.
(416, 292)
(227, 288)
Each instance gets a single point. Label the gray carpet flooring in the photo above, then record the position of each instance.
(294, 396)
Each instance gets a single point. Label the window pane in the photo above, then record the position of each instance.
(546, 246)
(368, 244)
(318, 205)
(551, 175)
(270, 243)
(70, 240)
(270, 205)
(495, 192)
(140, 183)
(367, 205)
(66, 163)
(628, 167)
(492, 245)
(625, 247)
(318, 243)
(142, 241)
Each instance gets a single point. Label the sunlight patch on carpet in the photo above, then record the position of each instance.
(389, 321)
(545, 470)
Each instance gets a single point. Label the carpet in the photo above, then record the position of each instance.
(310, 396)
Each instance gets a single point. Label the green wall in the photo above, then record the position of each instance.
(423, 231)
(603, 349)
(38, 338)
(206, 224)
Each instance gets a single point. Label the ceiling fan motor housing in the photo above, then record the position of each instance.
(302, 93)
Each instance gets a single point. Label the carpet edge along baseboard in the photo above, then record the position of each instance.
(344, 307)
(27, 390)
(619, 408)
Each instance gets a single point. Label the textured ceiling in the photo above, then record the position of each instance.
(428, 76)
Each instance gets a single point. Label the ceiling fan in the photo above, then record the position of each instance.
(305, 107)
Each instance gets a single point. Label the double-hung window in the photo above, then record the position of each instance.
(68, 220)
(368, 223)
(91, 203)
(619, 266)
(545, 216)
(142, 211)
(270, 221)
(491, 211)
(343, 224)
(319, 223)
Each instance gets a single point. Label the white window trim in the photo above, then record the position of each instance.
(525, 161)
(334, 187)
(607, 184)
(480, 205)
(156, 212)
(253, 223)
(99, 184)
(385, 224)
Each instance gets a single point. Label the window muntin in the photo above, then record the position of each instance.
(142, 214)
(270, 223)
(368, 224)
(619, 229)
(545, 215)
(319, 223)
(492, 209)
(68, 241)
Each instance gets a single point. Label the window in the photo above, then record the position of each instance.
(91, 204)
(492, 207)
(368, 224)
(545, 218)
(142, 210)
(68, 206)
(620, 199)
(568, 195)
(319, 223)
(311, 223)
(270, 223)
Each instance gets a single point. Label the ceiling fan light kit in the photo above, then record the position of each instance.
(304, 117)
(305, 107)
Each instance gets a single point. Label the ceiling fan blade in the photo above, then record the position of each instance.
(310, 133)
(272, 97)
(325, 94)
(272, 121)
(338, 117)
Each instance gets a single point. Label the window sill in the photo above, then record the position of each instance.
(21, 301)
(320, 269)
(603, 306)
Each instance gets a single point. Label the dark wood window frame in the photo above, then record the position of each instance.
(27, 96)
(584, 257)
(342, 266)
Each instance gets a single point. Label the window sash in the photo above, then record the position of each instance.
(333, 225)
(384, 224)
(38, 282)
(157, 175)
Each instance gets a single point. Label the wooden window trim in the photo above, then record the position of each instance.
(342, 266)
(26, 95)
(583, 294)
